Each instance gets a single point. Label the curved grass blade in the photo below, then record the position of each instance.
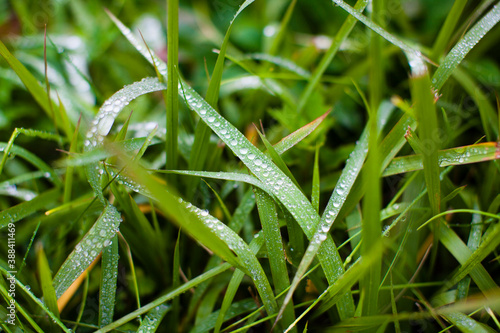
(34, 160)
(103, 121)
(467, 43)
(212, 233)
(109, 276)
(153, 319)
(98, 237)
(18, 212)
(281, 186)
(481, 152)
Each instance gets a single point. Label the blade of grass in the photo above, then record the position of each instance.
(68, 180)
(31, 83)
(49, 293)
(467, 43)
(98, 237)
(185, 287)
(200, 147)
(340, 37)
(109, 276)
(476, 153)
(153, 319)
(172, 102)
(315, 181)
(447, 29)
(173, 323)
(20, 211)
(274, 245)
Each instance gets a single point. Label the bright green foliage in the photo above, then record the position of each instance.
(289, 165)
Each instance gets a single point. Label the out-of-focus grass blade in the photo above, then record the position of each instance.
(337, 199)
(236, 309)
(153, 319)
(278, 38)
(340, 37)
(274, 245)
(98, 237)
(31, 84)
(172, 99)
(489, 117)
(297, 136)
(49, 293)
(200, 149)
(24, 209)
(480, 152)
(281, 62)
(467, 43)
(176, 282)
(185, 287)
(109, 276)
(34, 160)
(68, 180)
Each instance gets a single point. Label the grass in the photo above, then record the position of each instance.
(290, 166)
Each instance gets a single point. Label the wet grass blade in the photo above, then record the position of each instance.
(18, 212)
(98, 237)
(275, 249)
(476, 153)
(464, 46)
(109, 276)
(153, 319)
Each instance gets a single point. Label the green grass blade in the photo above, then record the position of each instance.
(176, 282)
(291, 140)
(49, 293)
(68, 181)
(153, 319)
(85, 252)
(447, 29)
(165, 298)
(172, 100)
(278, 38)
(340, 37)
(214, 234)
(465, 323)
(274, 245)
(467, 43)
(376, 28)
(18, 212)
(262, 167)
(337, 199)
(315, 181)
(476, 153)
(31, 84)
(33, 160)
(109, 276)
(234, 284)
(201, 142)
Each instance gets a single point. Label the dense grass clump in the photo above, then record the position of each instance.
(209, 166)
